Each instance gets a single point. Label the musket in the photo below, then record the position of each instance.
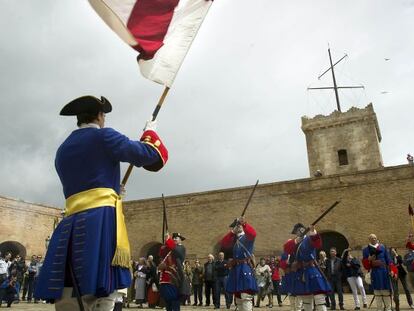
(250, 198)
(372, 300)
(321, 216)
(164, 219)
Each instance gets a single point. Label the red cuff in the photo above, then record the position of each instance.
(151, 138)
(170, 244)
(228, 240)
(289, 246)
(393, 269)
(249, 231)
(366, 263)
(409, 245)
(316, 241)
(283, 264)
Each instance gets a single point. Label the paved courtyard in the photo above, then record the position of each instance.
(349, 305)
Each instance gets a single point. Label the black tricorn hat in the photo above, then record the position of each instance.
(86, 104)
(178, 235)
(297, 227)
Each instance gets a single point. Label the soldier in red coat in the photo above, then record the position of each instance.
(171, 267)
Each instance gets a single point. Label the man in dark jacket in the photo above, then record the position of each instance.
(197, 282)
(209, 279)
(221, 271)
(402, 276)
(334, 275)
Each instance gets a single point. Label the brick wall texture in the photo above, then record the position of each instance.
(372, 201)
(26, 223)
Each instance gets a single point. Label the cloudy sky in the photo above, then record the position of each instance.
(233, 114)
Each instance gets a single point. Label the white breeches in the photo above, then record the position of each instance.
(295, 303)
(320, 303)
(383, 298)
(90, 303)
(245, 303)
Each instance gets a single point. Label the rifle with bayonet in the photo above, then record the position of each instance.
(164, 220)
(320, 217)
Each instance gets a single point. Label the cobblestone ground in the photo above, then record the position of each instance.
(349, 305)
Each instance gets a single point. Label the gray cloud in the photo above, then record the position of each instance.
(233, 114)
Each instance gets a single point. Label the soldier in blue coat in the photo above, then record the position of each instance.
(377, 261)
(241, 280)
(90, 246)
(309, 283)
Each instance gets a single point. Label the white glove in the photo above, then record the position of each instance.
(150, 125)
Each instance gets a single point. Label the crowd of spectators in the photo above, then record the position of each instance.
(18, 278)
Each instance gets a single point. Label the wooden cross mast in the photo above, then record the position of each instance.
(335, 87)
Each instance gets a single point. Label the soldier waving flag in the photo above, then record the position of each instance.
(89, 253)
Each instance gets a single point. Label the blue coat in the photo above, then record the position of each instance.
(379, 275)
(241, 276)
(89, 158)
(288, 277)
(308, 279)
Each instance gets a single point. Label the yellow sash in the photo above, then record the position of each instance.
(99, 197)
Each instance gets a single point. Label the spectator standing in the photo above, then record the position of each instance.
(9, 290)
(188, 275)
(131, 289)
(197, 283)
(353, 273)
(209, 279)
(274, 265)
(264, 282)
(410, 159)
(140, 282)
(322, 265)
(32, 269)
(25, 285)
(19, 267)
(39, 264)
(153, 295)
(334, 275)
(221, 271)
(402, 276)
(4, 267)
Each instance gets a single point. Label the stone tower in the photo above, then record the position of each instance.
(343, 142)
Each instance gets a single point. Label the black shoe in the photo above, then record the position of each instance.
(365, 306)
(200, 304)
(357, 308)
(280, 304)
(341, 307)
(194, 304)
(228, 306)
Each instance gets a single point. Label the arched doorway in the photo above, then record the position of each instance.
(333, 239)
(151, 248)
(14, 248)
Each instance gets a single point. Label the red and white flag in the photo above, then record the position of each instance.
(160, 30)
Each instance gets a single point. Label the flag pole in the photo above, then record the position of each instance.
(154, 116)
